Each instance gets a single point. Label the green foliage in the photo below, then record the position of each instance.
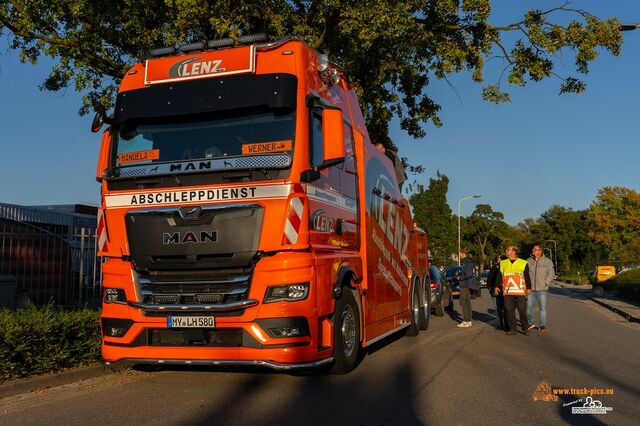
(390, 49)
(615, 216)
(39, 340)
(577, 251)
(484, 229)
(432, 212)
(626, 284)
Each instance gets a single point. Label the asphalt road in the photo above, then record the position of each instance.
(445, 376)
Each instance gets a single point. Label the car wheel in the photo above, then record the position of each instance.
(346, 333)
(449, 307)
(439, 311)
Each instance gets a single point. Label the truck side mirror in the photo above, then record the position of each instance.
(332, 137)
(103, 155)
(98, 120)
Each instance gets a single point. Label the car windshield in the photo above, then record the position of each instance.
(263, 139)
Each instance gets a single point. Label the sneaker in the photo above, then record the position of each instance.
(543, 329)
(463, 324)
(531, 326)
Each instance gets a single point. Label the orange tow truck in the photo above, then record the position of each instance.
(246, 217)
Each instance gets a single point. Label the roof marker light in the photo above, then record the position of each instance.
(323, 63)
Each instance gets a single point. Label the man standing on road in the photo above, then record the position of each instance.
(542, 273)
(516, 284)
(494, 283)
(467, 285)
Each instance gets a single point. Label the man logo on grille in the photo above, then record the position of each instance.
(189, 237)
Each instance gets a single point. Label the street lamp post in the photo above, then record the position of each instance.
(460, 201)
(555, 257)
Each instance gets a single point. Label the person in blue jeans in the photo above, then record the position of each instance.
(541, 272)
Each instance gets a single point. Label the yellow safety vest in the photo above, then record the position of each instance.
(513, 282)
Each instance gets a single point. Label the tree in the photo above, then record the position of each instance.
(485, 228)
(616, 222)
(389, 49)
(432, 212)
(569, 228)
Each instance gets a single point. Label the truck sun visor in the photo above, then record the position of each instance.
(273, 91)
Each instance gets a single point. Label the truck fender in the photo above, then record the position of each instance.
(344, 277)
(343, 274)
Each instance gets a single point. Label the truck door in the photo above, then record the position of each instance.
(332, 197)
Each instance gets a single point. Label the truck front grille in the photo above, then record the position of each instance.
(194, 289)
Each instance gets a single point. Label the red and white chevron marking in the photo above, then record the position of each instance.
(294, 220)
(101, 232)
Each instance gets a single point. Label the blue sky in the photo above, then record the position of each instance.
(541, 149)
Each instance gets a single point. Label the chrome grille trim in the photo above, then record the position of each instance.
(219, 307)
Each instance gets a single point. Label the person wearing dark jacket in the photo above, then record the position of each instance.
(467, 285)
(516, 285)
(494, 282)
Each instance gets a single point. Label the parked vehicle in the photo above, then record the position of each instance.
(453, 275)
(483, 278)
(441, 296)
(247, 218)
(602, 273)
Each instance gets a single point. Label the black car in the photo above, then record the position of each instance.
(441, 297)
(453, 274)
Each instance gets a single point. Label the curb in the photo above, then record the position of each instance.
(626, 315)
(32, 384)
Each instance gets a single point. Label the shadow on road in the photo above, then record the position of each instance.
(315, 400)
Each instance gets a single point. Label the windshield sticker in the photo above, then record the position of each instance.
(139, 156)
(266, 147)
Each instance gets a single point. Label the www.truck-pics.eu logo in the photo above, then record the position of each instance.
(189, 237)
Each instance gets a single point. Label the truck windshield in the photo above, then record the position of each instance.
(257, 140)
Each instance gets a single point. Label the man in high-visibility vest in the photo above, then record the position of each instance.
(516, 285)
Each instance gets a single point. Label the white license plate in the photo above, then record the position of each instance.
(191, 322)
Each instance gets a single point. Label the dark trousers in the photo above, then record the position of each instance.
(500, 311)
(510, 305)
(465, 303)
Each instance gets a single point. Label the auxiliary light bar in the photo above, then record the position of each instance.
(210, 44)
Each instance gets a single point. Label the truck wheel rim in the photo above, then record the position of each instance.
(348, 330)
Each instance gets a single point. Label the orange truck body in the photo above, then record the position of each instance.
(239, 253)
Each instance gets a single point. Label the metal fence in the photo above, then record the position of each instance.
(48, 267)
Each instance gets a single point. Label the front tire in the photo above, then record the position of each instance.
(346, 333)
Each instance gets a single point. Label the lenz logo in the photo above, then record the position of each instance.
(189, 237)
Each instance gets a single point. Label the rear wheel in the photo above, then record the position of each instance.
(449, 307)
(414, 327)
(439, 310)
(425, 312)
(346, 333)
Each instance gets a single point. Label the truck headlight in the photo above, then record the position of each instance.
(114, 295)
(289, 293)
